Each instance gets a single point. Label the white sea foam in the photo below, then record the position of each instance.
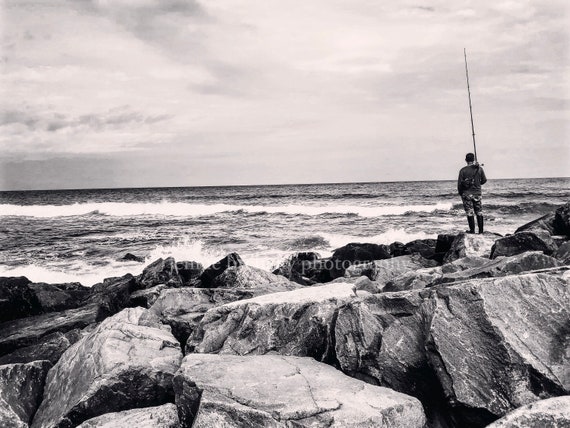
(197, 251)
(87, 275)
(187, 249)
(270, 258)
(387, 237)
(181, 209)
(192, 250)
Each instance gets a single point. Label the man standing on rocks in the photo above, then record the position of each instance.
(471, 177)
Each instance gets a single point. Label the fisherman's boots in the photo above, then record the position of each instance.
(479, 223)
(471, 221)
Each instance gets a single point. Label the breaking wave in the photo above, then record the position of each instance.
(181, 209)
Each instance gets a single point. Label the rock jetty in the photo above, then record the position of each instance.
(457, 331)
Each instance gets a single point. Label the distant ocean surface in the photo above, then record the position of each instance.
(79, 235)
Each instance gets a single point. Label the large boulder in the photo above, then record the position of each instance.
(130, 257)
(59, 297)
(561, 221)
(563, 253)
(471, 352)
(357, 252)
(21, 391)
(189, 271)
(298, 322)
(211, 272)
(442, 246)
(444, 242)
(397, 249)
(114, 293)
(160, 272)
(147, 296)
(49, 348)
(501, 343)
(504, 266)
(248, 277)
(183, 308)
(542, 224)
(17, 300)
(471, 268)
(427, 277)
(520, 243)
(464, 263)
(125, 362)
(415, 280)
(343, 257)
(556, 223)
(277, 391)
(165, 416)
(380, 338)
(29, 331)
(319, 271)
(423, 247)
(382, 271)
(470, 244)
(298, 267)
(549, 413)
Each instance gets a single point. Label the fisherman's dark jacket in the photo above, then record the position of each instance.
(471, 177)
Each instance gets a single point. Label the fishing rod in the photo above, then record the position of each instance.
(470, 107)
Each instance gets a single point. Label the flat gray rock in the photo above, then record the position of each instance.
(276, 391)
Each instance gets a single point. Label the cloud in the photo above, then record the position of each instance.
(228, 79)
(112, 119)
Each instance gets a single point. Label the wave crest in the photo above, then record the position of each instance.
(181, 209)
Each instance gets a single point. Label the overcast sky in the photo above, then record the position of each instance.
(129, 93)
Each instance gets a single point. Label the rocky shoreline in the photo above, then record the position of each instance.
(460, 331)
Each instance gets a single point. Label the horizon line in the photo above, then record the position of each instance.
(264, 185)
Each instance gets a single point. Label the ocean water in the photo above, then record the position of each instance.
(80, 235)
